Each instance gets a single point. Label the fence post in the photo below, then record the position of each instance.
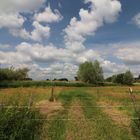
(52, 99)
(30, 101)
(133, 99)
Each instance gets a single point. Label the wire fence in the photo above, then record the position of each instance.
(102, 106)
(30, 104)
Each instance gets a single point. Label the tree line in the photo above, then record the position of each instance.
(92, 72)
(13, 74)
(88, 72)
(122, 78)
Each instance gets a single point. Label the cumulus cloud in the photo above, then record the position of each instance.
(128, 52)
(111, 68)
(39, 32)
(49, 16)
(99, 13)
(49, 60)
(16, 6)
(136, 20)
(10, 10)
(59, 62)
(11, 20)
(11, 17)
(50, 56)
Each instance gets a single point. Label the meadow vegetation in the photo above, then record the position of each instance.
(91, 108)
(87, 112)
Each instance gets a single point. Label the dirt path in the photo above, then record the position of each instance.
(81, 119)
(77, 127)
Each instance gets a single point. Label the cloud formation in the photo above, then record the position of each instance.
(136, 20)
(99, 13)
(48, 16)
(58, 62)
(52, 61)
(128, 52)
(11, 17)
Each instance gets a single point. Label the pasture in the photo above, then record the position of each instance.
(78, 113)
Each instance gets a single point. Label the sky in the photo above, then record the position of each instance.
(52, 37)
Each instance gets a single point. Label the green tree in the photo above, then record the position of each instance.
(119, 78)
(13, 74)
(98, 72)
(90, 72)
(128, 78)
(123, 78)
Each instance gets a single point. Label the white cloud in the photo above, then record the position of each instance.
(136, 20)
(128, 52)
(11, 20)
(11, 17)
(111, 68)
(37, 34)
(48, 16)
(10, 10)
(13, 58)
(40, 32)
(47, 60)
(61, 61)
(20, 32)
(100, 12)
(16, 6)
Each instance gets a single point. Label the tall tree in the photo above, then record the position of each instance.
(90, 72)
(128, 78)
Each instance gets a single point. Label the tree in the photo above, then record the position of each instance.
(123, 78)
(119, 78)
(128, 78)
(90, 72)
(13, 74)
(98, 72)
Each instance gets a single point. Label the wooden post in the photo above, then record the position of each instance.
(133, 99)
(52, 99)
(30, 101)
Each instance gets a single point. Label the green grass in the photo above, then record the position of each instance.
(93, 123)
(101, 126)
(57, 127)
(17, 123)
(16, 84)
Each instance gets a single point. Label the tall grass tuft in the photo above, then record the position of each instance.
(20, 122)
(136, 117)
(136, 124)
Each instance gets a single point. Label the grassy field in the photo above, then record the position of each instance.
(85, 113)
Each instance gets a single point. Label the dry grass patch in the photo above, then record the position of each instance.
(49, 108)
(118, 116)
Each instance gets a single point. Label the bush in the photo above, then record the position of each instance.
(20, 123)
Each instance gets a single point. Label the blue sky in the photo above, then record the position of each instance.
(52, 37)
